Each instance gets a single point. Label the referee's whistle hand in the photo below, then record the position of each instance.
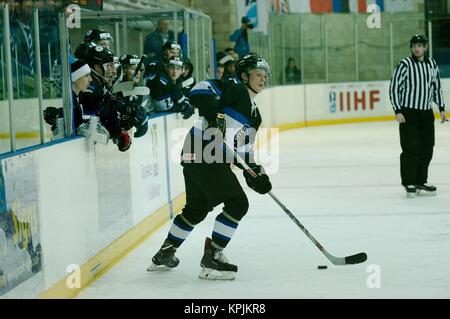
(443, 117)
(400, 118)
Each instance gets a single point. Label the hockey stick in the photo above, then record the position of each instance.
(349, 260)
(138, 68)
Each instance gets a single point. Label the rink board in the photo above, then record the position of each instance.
(87, 206)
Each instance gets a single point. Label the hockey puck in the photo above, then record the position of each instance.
(322, 267)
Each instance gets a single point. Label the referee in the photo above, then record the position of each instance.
(414, 86)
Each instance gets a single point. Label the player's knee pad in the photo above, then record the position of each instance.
(237, 206)
(194, 216)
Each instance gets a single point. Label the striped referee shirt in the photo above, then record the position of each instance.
(416, 85)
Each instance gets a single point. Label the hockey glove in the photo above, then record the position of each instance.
(261, 183)
(187, 110)
(51, 114)
(123, 142)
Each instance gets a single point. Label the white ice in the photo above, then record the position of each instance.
(342, 182)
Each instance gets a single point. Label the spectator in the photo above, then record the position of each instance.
(292, 72)
(156, 39)
(22, 46)
(240, 37)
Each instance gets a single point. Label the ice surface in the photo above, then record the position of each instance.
(342, 182)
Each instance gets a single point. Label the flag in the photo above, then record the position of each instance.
(321, 6)
(361, 5)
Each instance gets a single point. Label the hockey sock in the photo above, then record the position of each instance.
(179, 231)
(224, 228)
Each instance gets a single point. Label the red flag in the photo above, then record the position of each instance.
(321, 6)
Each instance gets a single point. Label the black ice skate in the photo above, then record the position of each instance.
(426, 190)
(215, 265)
(410, 191)
(165, 258)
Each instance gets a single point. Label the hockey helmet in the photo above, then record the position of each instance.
(80, 52)
(250, 62)
(129, 59)
(96, 35)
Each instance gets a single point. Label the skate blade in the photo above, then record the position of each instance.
(425, 193)
(411, 195)
(212, 274)
(156, 268)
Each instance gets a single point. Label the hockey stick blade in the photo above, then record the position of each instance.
(356, 259)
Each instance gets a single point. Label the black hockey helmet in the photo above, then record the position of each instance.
(129, 59)
(99, 55)
(418, 38)
(224, 58)
(169, 45)
(83, 47)
(95, 35)
(250, 62)
(175, 61)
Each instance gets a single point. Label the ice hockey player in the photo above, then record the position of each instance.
(228, 64)
(99, 37)
(223, 105)
(187, 78)
(92, 38)
(166, 91)
(100, 100)
(130, 103)
(81, 78)
(154, 67)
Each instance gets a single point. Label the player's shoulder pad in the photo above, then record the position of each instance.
(163, 79)
(208, 87)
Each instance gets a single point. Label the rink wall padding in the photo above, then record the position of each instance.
(70, 211)
(296, 106)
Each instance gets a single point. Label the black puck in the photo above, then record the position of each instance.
(322, 267)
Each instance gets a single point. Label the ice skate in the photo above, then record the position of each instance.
(164, 259)
(426, 190)
(410, 191)
(215, 265)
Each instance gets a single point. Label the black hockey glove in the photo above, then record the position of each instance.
(51, 114)
(261, 183)
(187, 110)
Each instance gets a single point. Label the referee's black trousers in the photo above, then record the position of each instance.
(417, 142)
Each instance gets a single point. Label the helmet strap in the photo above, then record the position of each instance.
(248, 83)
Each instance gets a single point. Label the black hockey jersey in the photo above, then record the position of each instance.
(242, 122)
(167, 96)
